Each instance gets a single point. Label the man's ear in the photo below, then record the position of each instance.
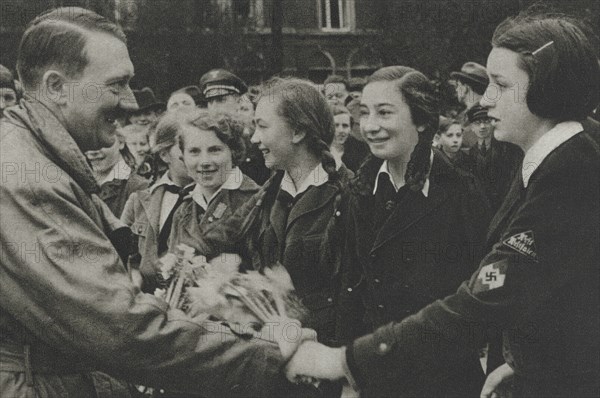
(298, 136)
(55, 87)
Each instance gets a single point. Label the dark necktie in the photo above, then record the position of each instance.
(483, 148)
(165, 231)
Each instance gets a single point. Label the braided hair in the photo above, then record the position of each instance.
(305, 109)
(420, 96)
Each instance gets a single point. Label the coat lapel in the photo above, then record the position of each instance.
(411, 209)
(313, 199)
(506, 209)
(151, 202)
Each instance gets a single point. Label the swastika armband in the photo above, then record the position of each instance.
(490, 277)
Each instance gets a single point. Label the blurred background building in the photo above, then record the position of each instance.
(173, 42)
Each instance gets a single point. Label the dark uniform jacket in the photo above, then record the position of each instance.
(462, 160)
(422, 251)
(496, 169)
(267, 230)
(355, 152)
(538, 286)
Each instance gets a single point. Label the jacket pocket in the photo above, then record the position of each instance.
(312, 252)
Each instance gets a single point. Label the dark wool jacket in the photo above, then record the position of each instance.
(424, 250)
(257, 232)
(496, 169)
(538, 286)
(189, 219)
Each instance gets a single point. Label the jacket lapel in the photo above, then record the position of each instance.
(411, 209)
(151, 202)
(313, 199)
(506, 209)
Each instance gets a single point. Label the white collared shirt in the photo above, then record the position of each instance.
(544, 146)
(233, 182)
(120, 171)
(168, 200)
(385, 169)
(316, 177)
(337, 156)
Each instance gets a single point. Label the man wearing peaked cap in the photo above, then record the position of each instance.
(494, 162)
(149, 107)
(470, 84)
(222, 90)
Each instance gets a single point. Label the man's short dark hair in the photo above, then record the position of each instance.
(477, 88)
(57, 38)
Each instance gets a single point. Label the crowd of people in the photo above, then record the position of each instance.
(417, 241)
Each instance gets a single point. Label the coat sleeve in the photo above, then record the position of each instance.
(545, 246)
(350, 309)
(475, 217)
(128, 215)
(63, 281)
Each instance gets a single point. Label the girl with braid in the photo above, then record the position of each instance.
(415, 224)
(288, 219)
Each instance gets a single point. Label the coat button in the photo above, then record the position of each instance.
(329, 300)
(349, 289)
(380, 306)
(389, 205)
(383, 348)
(338, 213)
(376, 280)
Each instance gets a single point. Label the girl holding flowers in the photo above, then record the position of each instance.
(288, 219)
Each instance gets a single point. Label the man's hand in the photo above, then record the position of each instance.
(287, 333)
(316, 360)
(499, 383)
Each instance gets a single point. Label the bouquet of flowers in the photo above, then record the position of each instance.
(217, 289)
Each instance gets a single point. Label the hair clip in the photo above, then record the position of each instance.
(534, 53)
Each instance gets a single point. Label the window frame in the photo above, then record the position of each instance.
(346, 14)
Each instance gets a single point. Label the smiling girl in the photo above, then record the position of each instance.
(415, 224)
(287, 220)
(212, 147)
(538, 285)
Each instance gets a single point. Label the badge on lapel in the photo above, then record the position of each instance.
(219, 211)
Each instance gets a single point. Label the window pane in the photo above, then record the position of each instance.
(323, 13)
(335, 14)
